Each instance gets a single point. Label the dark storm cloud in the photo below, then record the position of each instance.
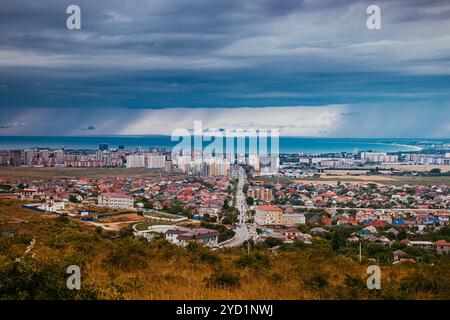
(219, 53)
(89, 128)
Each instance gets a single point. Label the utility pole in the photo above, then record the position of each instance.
(359, 251)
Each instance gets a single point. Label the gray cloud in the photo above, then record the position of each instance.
(141, 54)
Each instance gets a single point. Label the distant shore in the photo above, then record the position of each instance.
(414, 148)
(286, 144)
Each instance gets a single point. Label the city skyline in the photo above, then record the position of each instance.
(310, 68)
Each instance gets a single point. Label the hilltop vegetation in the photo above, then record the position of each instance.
(131, 268)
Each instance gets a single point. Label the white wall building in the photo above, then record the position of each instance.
(116, 200)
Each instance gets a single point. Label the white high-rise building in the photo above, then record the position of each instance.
(269, 165)
(135, 161)
(253, 160)
(155, 161)
(381, 157)
(146, 160)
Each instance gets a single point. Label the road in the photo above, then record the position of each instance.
(240, 227)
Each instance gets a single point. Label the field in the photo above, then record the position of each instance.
(34, 260)
(94, 173)
(412, 167)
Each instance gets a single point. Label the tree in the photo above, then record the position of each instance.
(402, 235)
(272, 242)
(225, 204)
(73, 198)
(435, 171)
(227, 220)
(250, 201)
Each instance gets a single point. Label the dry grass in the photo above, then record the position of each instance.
(128, 268)
(10, 173)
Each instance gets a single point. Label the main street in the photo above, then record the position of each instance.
(240, 226)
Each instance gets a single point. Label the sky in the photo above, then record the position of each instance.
(307, 67)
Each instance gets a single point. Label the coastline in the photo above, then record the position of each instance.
(414, 148)
(290, 145)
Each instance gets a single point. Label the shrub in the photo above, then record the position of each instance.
(254, 261)
(223, 279)
(129, 254)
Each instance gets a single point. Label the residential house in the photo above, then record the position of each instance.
(182, 236)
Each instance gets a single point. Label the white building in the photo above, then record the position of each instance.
(155, 161)
(292, 219)
(182, 236)
(52, 206)
(135, 161)
(379, 157)
(269, 165)
(146, 160)
(253, 161)
(116, 200)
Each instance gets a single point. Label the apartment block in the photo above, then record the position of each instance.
(116, 200)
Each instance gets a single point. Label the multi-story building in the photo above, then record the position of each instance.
(218, 167)
(4, 157)
(260, 193)
(135, 161)
(146, 160)
(84, 163)
(155, 161)
(116, 200)
(269, 165)
(15, 158)
(379, 157)
(59, 157)
(268, 214)
(292, 219)
(253, 161)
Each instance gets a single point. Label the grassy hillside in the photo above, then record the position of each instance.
(130, 268)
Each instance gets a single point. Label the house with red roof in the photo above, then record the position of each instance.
(442, 246)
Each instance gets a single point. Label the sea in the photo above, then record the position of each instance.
(286, 144)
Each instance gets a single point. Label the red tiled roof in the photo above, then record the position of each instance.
(119, 195)
(268, 207)
(442, 243)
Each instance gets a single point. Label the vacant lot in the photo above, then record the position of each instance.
(51, 173)
(380, 179)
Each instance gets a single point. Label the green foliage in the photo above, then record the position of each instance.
(36, 280)
(223, 279)
(73, 198)
(272, 242)
(435, 171)
(225, 205)
(202, 254)
(255, 260)
(130, 254)
(428, 279)
(224, 232)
